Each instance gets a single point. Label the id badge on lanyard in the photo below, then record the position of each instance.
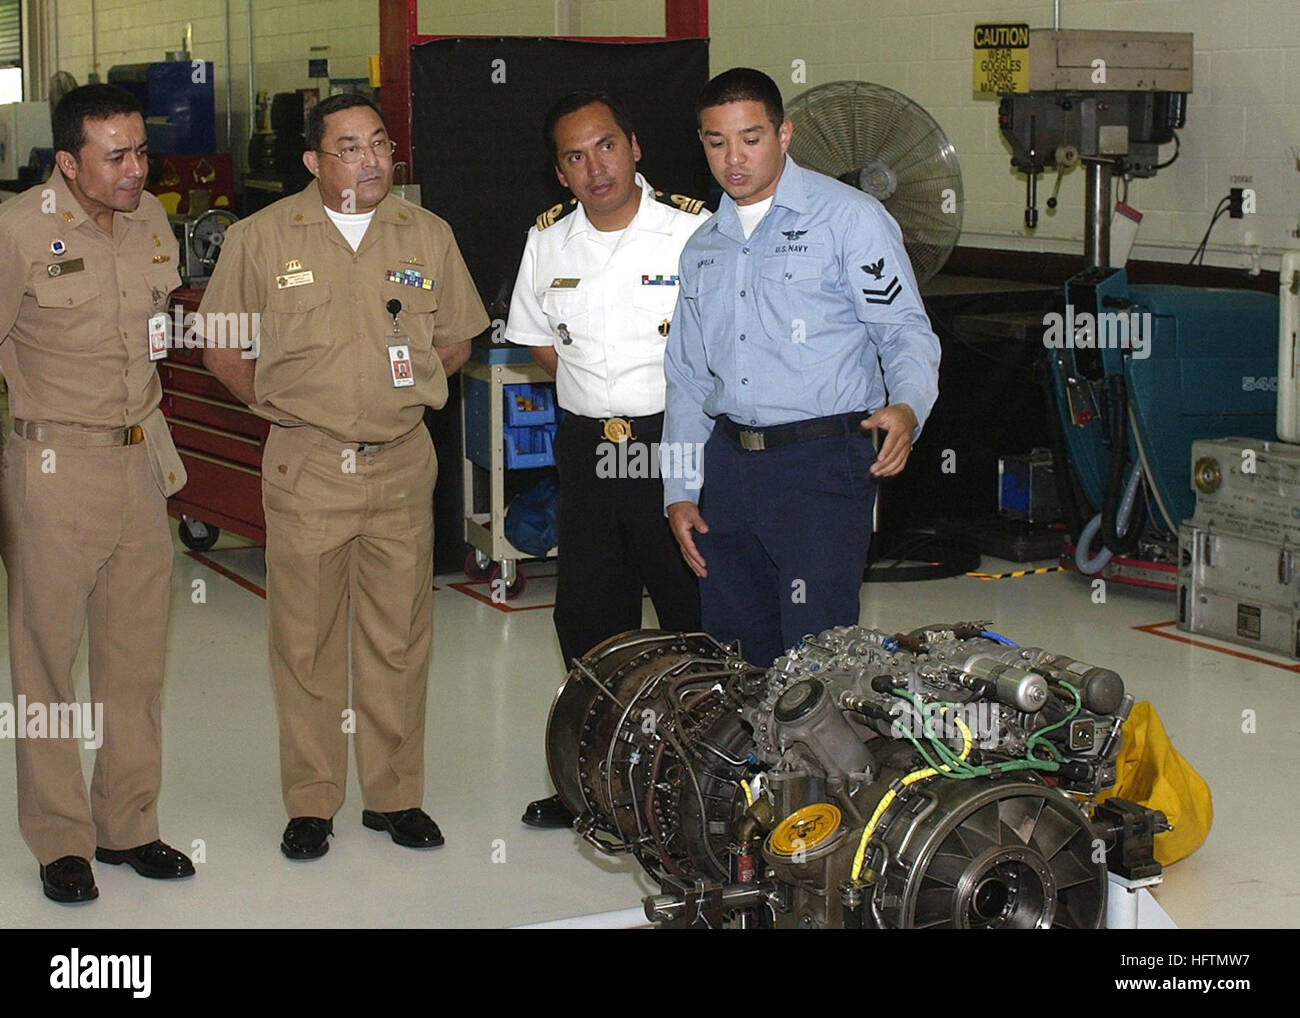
(399, 350)
(399, 360)
(159, 328)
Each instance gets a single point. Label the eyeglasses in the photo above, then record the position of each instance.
(355, 153)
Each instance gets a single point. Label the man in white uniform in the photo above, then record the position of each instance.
(594, 299)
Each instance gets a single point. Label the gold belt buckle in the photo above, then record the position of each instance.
(618, 430)
(133, 435)
(753, 441)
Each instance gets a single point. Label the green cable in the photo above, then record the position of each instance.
(956, 767)
(962, 769)
(929, 762)
(1040, 735)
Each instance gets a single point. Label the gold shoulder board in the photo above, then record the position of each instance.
(549, 216)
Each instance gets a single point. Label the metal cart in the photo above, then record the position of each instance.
(486, 459)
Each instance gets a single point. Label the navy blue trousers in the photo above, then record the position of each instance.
(788, 534)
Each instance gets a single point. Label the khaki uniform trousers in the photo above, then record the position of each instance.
(86, 540)
(349, 529)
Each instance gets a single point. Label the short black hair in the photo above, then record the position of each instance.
(313, 130)
(575, 101)
(742, 84)
(89, 102)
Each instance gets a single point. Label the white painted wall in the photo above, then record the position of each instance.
(1242, 116)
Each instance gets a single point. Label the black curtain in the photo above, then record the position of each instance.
(476, 136)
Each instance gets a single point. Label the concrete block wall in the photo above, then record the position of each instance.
(1242, 117)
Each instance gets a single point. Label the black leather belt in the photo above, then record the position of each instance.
(762, 439)
(620, 429)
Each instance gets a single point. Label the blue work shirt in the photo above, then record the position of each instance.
(817, 313)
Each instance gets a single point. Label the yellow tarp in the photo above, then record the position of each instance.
(1154, 774)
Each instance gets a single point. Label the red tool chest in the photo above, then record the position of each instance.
(220, 442)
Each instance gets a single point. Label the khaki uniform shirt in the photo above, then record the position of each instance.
(74, 340)
(324, 328)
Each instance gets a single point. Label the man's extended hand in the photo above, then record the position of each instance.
(684, 517)
(898, 422)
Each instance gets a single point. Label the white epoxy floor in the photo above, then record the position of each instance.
(492, 678)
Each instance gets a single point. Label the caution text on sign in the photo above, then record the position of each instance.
(1001, 58)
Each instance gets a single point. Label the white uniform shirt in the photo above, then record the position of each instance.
(615, 306)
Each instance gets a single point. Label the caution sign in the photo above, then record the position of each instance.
(1001, 58)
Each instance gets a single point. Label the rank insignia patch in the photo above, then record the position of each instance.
(886, 294)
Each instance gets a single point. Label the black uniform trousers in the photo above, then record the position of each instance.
(787, 542)
(614, 537)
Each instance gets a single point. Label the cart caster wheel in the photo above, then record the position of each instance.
(197, 535)
(478, 566)
(514, 584)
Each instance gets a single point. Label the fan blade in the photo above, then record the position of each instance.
(1053, 833)
(1069, 871)
(933, 910)
(857, 132)
(946, 868)
(981, 829)
(1020, 815)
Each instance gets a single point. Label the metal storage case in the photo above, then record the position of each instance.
(1249, 487)
(1239, 589)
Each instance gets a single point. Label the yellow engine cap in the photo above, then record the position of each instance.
(805, 829)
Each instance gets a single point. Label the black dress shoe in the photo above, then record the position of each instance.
(69, 879)
(154, 860)
(413, 828)
(548, 813)
(307, 837)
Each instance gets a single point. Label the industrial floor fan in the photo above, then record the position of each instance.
(881, 142)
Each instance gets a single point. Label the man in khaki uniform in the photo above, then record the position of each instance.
(365, 308)
(89, 260)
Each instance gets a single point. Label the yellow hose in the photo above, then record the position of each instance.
(925, 772)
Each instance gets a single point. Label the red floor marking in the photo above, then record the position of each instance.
(227, 573)
(1154, 628)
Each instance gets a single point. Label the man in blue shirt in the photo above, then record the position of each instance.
(798, 329)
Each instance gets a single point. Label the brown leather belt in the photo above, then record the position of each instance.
(76, 434)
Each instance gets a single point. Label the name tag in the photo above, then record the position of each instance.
(564, 284)
(63, 268)
(294, 279)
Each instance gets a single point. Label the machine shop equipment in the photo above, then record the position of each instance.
(1139, 372)
(942, 778)
(200, 239)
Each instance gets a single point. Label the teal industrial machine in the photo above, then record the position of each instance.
(1139, 372)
